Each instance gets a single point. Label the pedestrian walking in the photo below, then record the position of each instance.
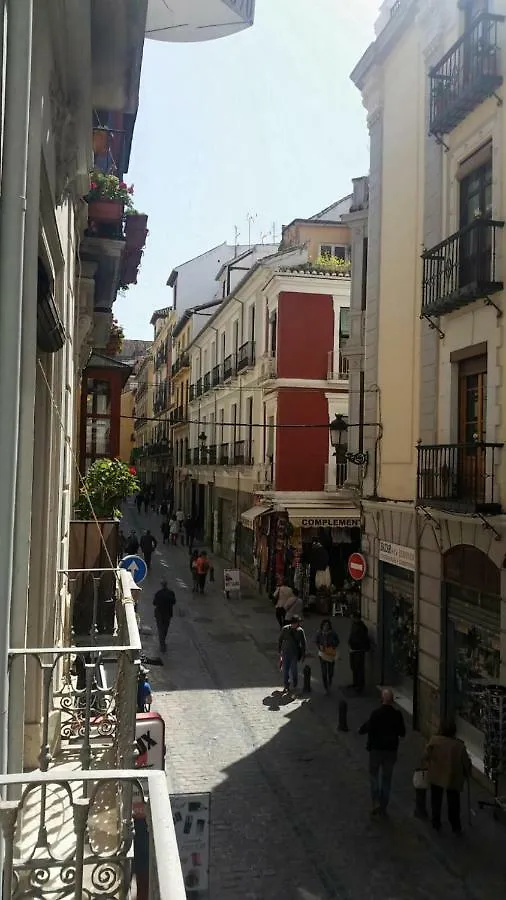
(146, 501)
(282, 595)
(139, 501)
(148, 545)
(292, 651)
(449, 766)
(164, 508)
(165, 529)
(359, 643)
(173, 530)
(180, 522)
(164, 602)
(193, 569)
(202, 566)
(144, 695)
(383, 729)
(189, 531)
(327, 641)
(132, 544)
(121, 543)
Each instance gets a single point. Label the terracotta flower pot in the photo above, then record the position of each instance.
(100, 140)
(136, 222)
(105, 210)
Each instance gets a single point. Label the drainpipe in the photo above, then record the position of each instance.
(26, 428)
(12, 242)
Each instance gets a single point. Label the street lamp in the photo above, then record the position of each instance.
(202, 439)
(338, 429)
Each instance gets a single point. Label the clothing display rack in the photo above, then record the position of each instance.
(494, 728)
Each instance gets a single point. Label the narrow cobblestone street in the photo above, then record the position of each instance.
(290, 801)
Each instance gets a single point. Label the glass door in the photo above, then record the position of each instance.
(472, 428)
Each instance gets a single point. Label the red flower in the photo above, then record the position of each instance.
(93, 185)
(131, 189)
(122, 185)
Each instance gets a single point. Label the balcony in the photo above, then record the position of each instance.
(192, 394)
(461, 269)
(68, 826)
(223, 457)
(198, 387)
(459, 477)
(246, 356)
(69, 834)
(182, 362)
(467, 74)
(216, 376)
(242, 453)
(335, 476)
(228, 367)
(338, 366)
(207, 382)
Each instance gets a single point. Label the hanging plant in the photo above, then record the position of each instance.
(106, 485)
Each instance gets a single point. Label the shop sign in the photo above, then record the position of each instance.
(330, 523)
(397, 555)
(191, 815)
(150, 746)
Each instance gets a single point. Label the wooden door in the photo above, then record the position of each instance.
(472, 427)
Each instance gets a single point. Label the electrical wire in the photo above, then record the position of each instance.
(219, 423)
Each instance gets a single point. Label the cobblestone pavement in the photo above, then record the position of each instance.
(290, 799)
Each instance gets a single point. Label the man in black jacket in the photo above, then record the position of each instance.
(358, 644)
(164, 602)
(383, 729)
(148, 545)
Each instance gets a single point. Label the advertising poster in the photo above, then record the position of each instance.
(191, 814)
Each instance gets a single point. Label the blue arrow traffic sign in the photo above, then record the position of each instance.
(136, 566)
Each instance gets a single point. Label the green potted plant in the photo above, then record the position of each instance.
(116, 338)
(107, 484)
(107, 198)
(94, 545)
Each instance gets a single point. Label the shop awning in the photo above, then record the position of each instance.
(324, 518)
(249, 517)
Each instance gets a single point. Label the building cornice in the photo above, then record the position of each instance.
(379, 50)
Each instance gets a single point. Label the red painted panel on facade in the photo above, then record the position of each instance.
(305, 334)
(301, 453)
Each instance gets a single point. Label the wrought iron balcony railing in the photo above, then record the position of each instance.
(71, 834)
(211, 455)
(207, 381)
(228, 367)
(338, 366)
(223, 458)
(459, 477)
(192, 393)
(216, 376)
(198, 387)
(466, 75)
(461, 269)
(242, 453)
(246, 356)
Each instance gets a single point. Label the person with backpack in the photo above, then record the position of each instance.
(164, 602)
(202, 566)
(292, 650)
(148, 545)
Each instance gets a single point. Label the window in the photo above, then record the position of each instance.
(274, 329)
(98, 419)
(344, 324)
(251, 323)
(340, 251)
(475, 250)
(233, 419)
(270, 437)
(472, 400)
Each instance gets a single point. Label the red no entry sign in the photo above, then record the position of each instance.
(357, 566)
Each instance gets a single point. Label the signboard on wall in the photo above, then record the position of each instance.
(191, 814)
(328, 523)
(397, 555)
(150, 746)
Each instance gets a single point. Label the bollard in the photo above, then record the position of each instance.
(307, 679)
(343, 716)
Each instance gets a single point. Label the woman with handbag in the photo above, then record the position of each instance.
(327, 642)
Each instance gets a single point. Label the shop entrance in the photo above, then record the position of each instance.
(471, 607)
(397, 631)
